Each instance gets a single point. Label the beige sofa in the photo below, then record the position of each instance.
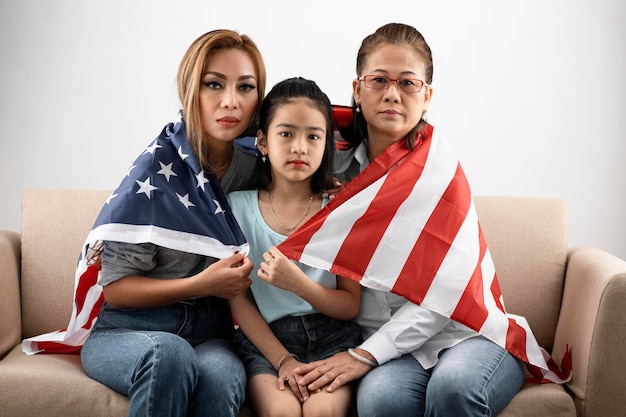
(574, 297)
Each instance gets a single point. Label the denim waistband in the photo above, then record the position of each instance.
(204, 302)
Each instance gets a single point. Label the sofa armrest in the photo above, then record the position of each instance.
(10, 309)
(592, 322)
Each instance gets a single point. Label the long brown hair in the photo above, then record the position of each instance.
(190, 75)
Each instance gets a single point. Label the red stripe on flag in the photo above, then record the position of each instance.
(433, 244)
(497, 294)
(566, 365)
(367, 232)
(295, 244)
(384, 162)
(88, 279)
(563, 373)
(94, 312)
(54, 347)
(516, 340)
(471, 309)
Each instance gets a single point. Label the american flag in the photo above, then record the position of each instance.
(166, 199)
(407, 224)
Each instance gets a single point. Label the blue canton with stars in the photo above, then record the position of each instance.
(166, 199)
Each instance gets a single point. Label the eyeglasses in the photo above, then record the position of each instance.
(408, 85)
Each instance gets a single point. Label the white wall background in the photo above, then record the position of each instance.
(531, 93)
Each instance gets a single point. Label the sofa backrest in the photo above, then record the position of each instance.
(527, 238)
(55, 224)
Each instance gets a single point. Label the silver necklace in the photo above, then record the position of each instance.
(285, 228)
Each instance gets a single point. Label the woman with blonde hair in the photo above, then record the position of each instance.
(171, 253)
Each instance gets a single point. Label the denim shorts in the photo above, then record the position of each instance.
(310, 337)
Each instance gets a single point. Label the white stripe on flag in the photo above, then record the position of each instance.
(326, 242)
(497, 323)
(408, 223)
(182, 241)
(456, 268)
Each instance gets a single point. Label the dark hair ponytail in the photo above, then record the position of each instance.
(393, 34)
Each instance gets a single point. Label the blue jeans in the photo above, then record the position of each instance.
(177, 360)
(474, 378)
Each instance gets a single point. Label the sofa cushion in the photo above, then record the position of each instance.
(540, 400)
(41, 384)
(24, 378)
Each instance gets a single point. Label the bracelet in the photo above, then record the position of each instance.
(358, 357)
(280, 362)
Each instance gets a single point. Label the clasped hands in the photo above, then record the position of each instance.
(329, 374)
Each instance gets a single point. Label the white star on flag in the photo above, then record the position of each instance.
(201, 180)
(166, 170)
(181, 153)
(150, 149)
(185, 200)
(219, 208)
(145, 187)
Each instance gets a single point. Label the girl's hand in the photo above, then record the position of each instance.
(279, 271)
(287, 377)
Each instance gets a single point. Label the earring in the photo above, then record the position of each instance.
(358, 109)
(264, 159)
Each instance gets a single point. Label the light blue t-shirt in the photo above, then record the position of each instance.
(273, 303)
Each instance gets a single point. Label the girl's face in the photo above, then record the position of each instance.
(391, 113)
(228, 94)
(295, 140)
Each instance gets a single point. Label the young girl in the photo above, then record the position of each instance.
(294, 313)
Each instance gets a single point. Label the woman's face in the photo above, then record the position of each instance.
(228, 94)
(391, 113)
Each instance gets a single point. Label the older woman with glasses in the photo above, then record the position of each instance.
(413, 360)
